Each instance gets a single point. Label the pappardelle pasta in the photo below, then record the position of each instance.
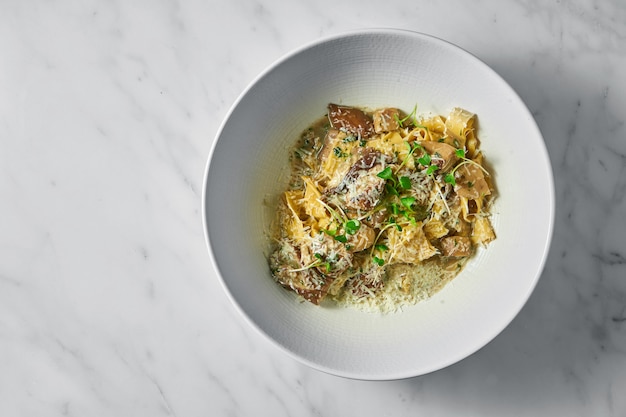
(383, 208)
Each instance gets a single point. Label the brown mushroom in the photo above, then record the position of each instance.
(456, 246)
(386, 119)
(351, 120)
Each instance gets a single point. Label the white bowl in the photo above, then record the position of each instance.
(248, 168)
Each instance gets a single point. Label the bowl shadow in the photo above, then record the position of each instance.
(563, 351)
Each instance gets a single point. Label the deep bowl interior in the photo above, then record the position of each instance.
(248, 168)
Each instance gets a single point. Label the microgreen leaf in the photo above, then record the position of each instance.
(381, 247)
(424, 160)
(391, 189)
(407, 202)
(378, 261)
(449, 178)
(405, 182)
(352, 226)
(386, 174)
(341, 238)
(460, 153)
(431, 169)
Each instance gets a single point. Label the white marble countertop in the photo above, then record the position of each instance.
(108, 303)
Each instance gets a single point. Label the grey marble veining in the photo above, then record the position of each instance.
(108, 302)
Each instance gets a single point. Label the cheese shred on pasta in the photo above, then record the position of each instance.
(383, 208)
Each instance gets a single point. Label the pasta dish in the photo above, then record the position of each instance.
(383, 208)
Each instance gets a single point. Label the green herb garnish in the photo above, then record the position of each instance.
(341, 238)
(352, 226)
(424, 160)
(405, 182)
(339, 153)
(407, 117)
(407, 202)
(386, 174)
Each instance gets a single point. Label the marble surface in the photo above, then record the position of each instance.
(108, 303)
